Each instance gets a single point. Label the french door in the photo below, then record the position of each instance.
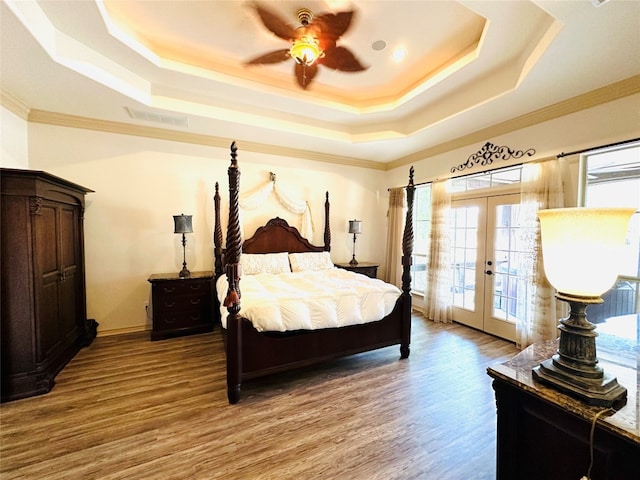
(489, 285)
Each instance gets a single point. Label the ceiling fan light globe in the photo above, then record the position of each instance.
(305, 50)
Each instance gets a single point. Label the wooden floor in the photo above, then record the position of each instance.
(128, 408)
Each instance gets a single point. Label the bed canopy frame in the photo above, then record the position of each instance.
(252, 354)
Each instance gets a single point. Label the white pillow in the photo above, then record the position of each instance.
(306, 261)
(254, 263)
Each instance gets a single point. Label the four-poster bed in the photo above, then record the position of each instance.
(252, 353)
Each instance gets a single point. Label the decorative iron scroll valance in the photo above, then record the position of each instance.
(488, 153)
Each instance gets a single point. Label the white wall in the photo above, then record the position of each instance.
(14, 151)
(141, 183)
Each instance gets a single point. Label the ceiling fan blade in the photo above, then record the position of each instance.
(304, 75)
(334, 25)
(275, 24)
(341, 58)
(272, 57)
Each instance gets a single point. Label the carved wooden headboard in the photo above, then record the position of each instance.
(278, 236)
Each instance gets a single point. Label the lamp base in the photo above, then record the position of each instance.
(604, 390)
(574, 368)
(184, 273)
(353, 262)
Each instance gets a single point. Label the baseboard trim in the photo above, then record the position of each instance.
(121, 331)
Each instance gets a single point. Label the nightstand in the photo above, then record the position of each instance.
(181, 306)
(365, 268)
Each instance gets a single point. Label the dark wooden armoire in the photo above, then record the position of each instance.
(43, 311)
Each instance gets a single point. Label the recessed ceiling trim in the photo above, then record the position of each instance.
(358, 102)
(76, 56)
(148, 116)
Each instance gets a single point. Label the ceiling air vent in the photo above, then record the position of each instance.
(176, 121)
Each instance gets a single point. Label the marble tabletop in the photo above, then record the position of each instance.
(624, 422)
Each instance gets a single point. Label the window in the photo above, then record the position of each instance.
(421, 229)
(611, 178)
(491, 179)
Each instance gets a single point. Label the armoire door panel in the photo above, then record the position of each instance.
(46, 239)
(68, 234)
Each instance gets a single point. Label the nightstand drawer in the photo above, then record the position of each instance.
(175, 320)
(184, 287)
(170, 304)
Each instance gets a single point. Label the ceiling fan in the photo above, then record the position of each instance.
(313, 43)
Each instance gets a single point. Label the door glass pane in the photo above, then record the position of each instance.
(464, 225)
(509, 286)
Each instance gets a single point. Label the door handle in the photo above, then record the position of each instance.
(488, 272)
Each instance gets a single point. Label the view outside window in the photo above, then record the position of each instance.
(510, 279)
(464, 233)
(613, 180)
(421, 229)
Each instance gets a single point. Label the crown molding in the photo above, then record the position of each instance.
(614, 91)
(14, 105)
(74, 121)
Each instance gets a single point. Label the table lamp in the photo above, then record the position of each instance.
(182, 224)
(355, 227)
(582, 250)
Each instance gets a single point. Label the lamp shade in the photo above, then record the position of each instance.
(182, 223)
(355, 226)
(582, 248)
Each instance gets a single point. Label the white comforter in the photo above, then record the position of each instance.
(311, 300)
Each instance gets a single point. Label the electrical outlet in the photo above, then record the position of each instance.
(146, 306)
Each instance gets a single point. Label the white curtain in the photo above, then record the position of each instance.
(395, 229)
(541, 188)
(437, 296)
(257, 198)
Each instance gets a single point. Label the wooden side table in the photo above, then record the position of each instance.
(181, 306)
(543, 433)
(365, 268)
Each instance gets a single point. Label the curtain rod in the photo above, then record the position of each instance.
(624, 142)
(560, 155)
(464, 175)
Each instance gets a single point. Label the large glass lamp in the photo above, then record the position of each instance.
(582, 251)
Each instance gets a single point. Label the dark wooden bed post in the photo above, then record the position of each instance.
(217, 234)
(407, 252)
(233, 271)
(327, 228)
